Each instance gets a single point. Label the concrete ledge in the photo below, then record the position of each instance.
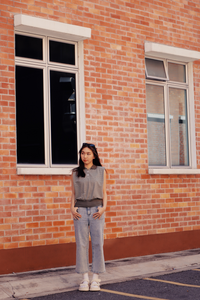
(163, 51)
(56, 29)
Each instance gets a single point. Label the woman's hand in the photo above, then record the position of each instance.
(75, 214)
(99, 213)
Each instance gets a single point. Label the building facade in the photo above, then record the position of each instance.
(124, 75)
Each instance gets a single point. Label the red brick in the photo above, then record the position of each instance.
(138, 203)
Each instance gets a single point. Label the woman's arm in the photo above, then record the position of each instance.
(104, 192)
(73, 209)
(103, 208)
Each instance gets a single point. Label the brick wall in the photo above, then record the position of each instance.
(34, 210)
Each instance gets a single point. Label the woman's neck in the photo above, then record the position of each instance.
(88, 166)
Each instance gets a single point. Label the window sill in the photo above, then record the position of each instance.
(174, 171)
(45, 171)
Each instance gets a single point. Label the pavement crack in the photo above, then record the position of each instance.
(63, 279)
(12, 294)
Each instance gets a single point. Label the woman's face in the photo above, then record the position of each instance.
(87, 157)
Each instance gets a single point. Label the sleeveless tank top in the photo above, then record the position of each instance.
(89, 189)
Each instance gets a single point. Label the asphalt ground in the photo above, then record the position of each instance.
(183, 285)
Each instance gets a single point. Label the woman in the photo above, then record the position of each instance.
(88, 204)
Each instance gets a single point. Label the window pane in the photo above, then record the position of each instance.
(63, 118)
(178, 127)
(156, 125)
(29, 47)
(62, 53)
(155, 68)
(176, 72)
(30, 115)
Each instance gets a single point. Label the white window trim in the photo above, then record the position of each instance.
(55, 29)
(33, 25)
(169, 52)
(155, 50)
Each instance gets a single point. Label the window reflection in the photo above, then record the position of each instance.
(176, 72)
(155, 68)
(156, 125)
(179, 127)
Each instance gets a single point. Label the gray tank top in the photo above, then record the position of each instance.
(89, 187)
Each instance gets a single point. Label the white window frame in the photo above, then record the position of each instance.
(178, 55)
(47, 29)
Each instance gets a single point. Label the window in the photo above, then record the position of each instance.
(167, 115)
(155, 69)
(49, 105)
(56, 128)
(170, 109)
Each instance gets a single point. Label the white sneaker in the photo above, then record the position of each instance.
(95, 285)
(84, 286)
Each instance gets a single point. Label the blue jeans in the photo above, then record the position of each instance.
(85, 225)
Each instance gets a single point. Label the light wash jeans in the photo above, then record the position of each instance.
(85, 225)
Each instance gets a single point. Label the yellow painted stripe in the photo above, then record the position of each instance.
(172, 282)
(131, 295)
(196, 270)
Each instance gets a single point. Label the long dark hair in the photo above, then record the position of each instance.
(96, 161)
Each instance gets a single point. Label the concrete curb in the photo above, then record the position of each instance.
(46, 282)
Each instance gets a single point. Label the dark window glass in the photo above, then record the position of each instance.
(63, 118)
(29, 47)
(62, 53)
(30, 115)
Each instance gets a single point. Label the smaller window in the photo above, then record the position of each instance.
(155, 69)
(28, 47)
(63, 53)
(167, 116)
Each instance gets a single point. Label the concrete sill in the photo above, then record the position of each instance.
(174, 171)
(44, 171)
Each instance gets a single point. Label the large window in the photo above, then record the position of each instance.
(50, 106)
(46, 101)
(168, 123)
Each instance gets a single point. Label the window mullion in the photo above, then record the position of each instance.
(167, 126)
(47, 123)
(49, 117)
(49, 120)
(45, 103)
(189, 127)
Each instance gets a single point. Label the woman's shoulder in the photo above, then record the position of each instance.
(74, 173)
(100, 168)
